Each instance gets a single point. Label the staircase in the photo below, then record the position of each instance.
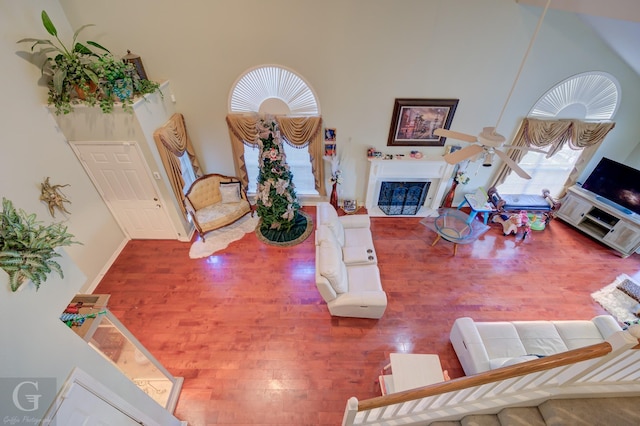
(554, 390)
(621, 411)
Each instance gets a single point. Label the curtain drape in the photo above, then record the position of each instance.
(173, 142)
(538, 133)
(296, 131)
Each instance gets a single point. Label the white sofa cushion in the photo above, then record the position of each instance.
(539, 337)
(338, 230)
(501, 339)
(332, 267)
(578, 334)
(364, 278)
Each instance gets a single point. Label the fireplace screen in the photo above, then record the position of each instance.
(402, 198)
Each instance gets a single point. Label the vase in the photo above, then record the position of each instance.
(333, 200)
(448, 199)
(82, 95)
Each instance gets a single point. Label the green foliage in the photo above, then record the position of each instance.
(27, 246)
(78, 74)
(277, 202)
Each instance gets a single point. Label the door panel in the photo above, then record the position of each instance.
(120, 174)
(82, 408)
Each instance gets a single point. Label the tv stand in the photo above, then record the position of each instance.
(613, 204)
(602, 219)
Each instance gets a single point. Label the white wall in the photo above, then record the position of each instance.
(32, 148)
(359, 55)
(35, 343)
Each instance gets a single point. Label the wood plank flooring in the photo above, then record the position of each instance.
(253, 339)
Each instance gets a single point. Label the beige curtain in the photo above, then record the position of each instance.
(173, 142)
(538, 133)
(297, 131)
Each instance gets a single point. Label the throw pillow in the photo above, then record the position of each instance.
(230, 192)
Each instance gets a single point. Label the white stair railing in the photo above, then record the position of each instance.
(611, 367)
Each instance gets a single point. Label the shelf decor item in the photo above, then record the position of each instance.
(79, 74)
(27, 247)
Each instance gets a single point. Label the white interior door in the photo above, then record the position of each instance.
(83, 401)
(123, 179)
(81, 408)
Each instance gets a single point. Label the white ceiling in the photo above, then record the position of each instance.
(616, 21)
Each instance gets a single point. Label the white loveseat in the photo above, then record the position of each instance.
(347, 273)
(484, 346)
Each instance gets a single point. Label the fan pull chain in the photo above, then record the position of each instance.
(524, 59)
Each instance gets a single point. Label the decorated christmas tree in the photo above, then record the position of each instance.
(277, 203)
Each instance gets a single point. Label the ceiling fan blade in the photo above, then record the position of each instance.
(455, 135)
(463, 154)
(525, 148)
(514, 166)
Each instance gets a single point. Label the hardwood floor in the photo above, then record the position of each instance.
(253, 339)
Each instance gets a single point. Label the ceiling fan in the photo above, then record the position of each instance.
(489, 140)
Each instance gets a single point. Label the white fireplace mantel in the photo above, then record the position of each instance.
(434, 170)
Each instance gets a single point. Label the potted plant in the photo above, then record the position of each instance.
(27, 247)
(119, 82)
(77, 73)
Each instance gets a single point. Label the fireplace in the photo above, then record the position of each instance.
(402, 198)
(433, 173)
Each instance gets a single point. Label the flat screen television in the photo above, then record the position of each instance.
(616, 184)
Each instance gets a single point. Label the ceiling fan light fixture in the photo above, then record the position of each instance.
(488, 160)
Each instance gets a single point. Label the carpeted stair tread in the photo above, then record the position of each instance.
(480, 420)
(521, 416)
(445, 423)
(620, 411)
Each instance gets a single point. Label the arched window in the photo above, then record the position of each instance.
(272, 89)
(590, 96)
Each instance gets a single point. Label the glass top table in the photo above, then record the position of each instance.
(454, 226)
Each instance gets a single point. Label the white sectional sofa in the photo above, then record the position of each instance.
(347, 273)
(484, 346)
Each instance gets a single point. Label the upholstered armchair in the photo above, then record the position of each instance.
(214, 201)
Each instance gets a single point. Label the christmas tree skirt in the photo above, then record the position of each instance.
(300, 231)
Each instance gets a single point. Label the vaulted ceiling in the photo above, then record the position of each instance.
(616, 21)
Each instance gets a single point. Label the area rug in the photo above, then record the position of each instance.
(615, 301)
(299, 232)
(219, 239)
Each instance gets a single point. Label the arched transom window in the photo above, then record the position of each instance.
(272, 89)
(590, 96)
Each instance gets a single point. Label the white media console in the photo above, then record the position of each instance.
(603, 220)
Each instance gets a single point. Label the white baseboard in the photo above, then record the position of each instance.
(106, 267)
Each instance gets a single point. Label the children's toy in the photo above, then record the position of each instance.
(509, 223)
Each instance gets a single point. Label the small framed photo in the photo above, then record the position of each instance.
(414, 121)
(329, 149)
(329, 134)
(349, 206)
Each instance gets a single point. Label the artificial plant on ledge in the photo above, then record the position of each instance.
(76, 74)
(27, 247)
(277, 203)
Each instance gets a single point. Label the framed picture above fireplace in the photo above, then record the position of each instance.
(414, 120)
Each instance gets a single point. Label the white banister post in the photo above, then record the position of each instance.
(350, 411)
